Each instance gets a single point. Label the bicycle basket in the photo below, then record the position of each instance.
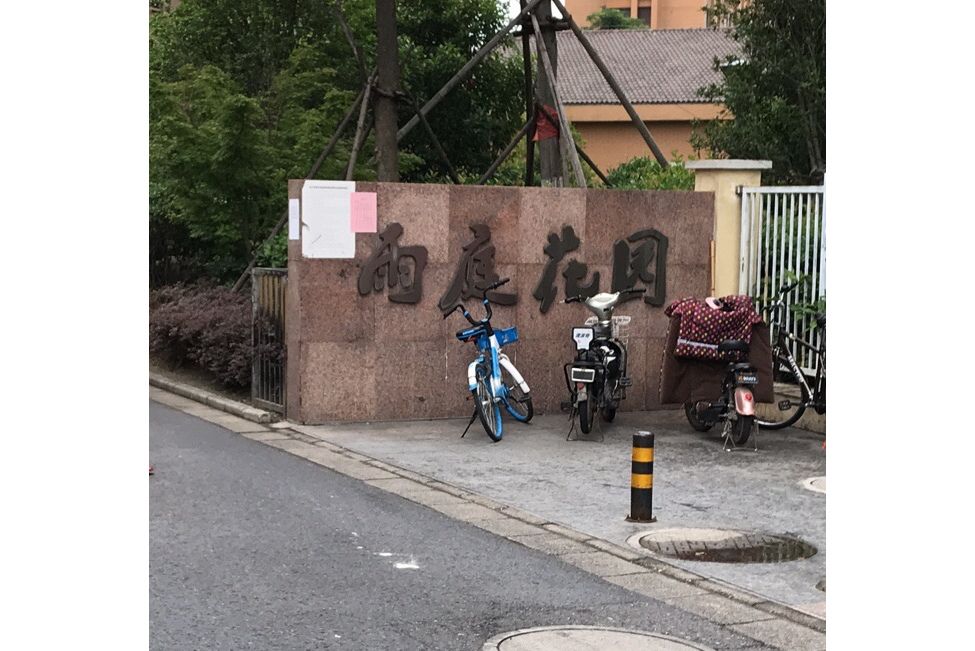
(620, 324)
(620, 328)
(506, 335)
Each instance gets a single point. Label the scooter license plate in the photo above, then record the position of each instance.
(747, 378)
(582, 337)
(582, 374)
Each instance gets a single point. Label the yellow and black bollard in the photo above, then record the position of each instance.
(641, 484)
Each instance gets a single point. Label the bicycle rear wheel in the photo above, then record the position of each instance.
(791, 395)
(487, 409)
(587, 414)
(741, 429)
(517, 402)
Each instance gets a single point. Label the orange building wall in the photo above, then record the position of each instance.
(679, 14)
(664, 14)
(612, 143)
(612, 139)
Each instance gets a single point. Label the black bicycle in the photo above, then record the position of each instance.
(799, 390)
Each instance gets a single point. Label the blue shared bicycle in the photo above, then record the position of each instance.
(492, 379)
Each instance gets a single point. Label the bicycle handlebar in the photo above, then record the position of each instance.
(634, 290)
(495, 285)
(778, 304)
(789, 287)
(464, 312)
(486, 301)
(452, 310)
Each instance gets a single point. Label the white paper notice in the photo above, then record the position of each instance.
(325, 210)
(294, 219)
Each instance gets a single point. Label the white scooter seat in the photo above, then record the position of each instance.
(602, 300)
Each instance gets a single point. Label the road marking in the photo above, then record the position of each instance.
(407, 566)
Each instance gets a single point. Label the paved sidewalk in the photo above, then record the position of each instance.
(585, 484)
(740, 612)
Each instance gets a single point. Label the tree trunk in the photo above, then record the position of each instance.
(548, 150)
(387, 61)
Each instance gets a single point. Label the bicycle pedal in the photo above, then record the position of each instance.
(565, 405)
(626, 382)
(785, 405)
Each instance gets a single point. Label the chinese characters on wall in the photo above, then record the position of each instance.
(475, 272)
(639, 260)
(401, 268)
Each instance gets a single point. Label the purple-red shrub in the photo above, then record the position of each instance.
(206, 326)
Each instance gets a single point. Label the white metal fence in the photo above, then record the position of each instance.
(783, 234)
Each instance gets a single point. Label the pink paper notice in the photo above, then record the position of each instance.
(363, 214)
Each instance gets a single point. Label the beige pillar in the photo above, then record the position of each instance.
(723, 178)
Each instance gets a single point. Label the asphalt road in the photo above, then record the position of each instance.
(253, 548)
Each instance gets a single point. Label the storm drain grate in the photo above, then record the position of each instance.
(719, 546)
(587, 637)
(815, 484)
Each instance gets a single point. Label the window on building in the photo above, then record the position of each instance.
(643, 13)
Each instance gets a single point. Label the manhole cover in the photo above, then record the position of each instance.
(815, 484)
(724, 546)
(582, 638)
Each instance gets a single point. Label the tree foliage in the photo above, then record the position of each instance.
(776, 91)
(614, 19)
(645, 173)
(479, 117)
(244, 94)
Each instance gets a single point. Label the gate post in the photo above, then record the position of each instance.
(724, 178)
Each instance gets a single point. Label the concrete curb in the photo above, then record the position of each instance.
(213, 400)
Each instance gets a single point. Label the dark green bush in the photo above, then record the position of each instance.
(608, 18)
(644, 173)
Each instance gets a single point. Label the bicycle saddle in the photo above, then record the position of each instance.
(732, 345)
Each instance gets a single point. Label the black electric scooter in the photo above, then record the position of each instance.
(597, 378)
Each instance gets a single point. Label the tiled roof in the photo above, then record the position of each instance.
(663, 66)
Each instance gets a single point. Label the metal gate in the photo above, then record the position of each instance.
(270, 354)
(783, 234)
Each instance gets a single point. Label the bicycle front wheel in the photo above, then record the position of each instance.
(791, 396)
(690, 410)
(487, 409)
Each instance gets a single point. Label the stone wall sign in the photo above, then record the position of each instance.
(366, 337)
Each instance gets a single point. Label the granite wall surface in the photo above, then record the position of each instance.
(366, 358)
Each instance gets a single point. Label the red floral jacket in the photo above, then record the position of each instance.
(702, 327)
